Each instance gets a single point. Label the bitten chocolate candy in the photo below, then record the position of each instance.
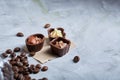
(35, 42)
(76, 59)
(58, 32)
(60, 46)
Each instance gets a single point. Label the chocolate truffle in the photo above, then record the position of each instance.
(35, 42)
(60, 46)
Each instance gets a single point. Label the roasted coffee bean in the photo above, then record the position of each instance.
(44, 68)
(20, 64)
(19, 34)
(21, 70)
(15, 69)
(76, 59)
(17, 59)
(20, 77)
(25, 62)
(17, 49)
(13, 63)
(16, 75)
(32, 53)
(38, 66)
(47, 25)
(12, 55)
(8, 51)
(44, 78)
(36, 70)
(23, 54)
(4, 55)
(27, 77)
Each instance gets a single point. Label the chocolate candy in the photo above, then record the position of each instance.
(35, 43)
(8, 51)
(47, 25)
(76, 59)
(17, 49)
(19, 34)
(44, 68)
(60, 46)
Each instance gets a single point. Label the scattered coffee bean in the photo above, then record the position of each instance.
(20, 34)
(38, 66)
(8, 51)
(4, 55)
(47, 25)
(23, 54)
(20, 77)
(44, 78)
(76, 59)
(36, 70)
(13, 55)
(17, 49)
(44, 68)
(32, 53)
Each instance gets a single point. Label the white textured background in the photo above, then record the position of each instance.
(93, 25)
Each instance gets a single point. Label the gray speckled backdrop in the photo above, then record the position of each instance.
(93, 25)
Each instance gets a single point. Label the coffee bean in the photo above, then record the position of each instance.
(8, 51)
(44, 68)
(76, 59)
(20, 77)
(23, 54)
(44, 78)
(16, 75)
(4, 55)
(17, 49)
(32, 53)
(36, 70)
(47, 25)
(27, 77)
(38, 66)
(12, 55)
(19, 34)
